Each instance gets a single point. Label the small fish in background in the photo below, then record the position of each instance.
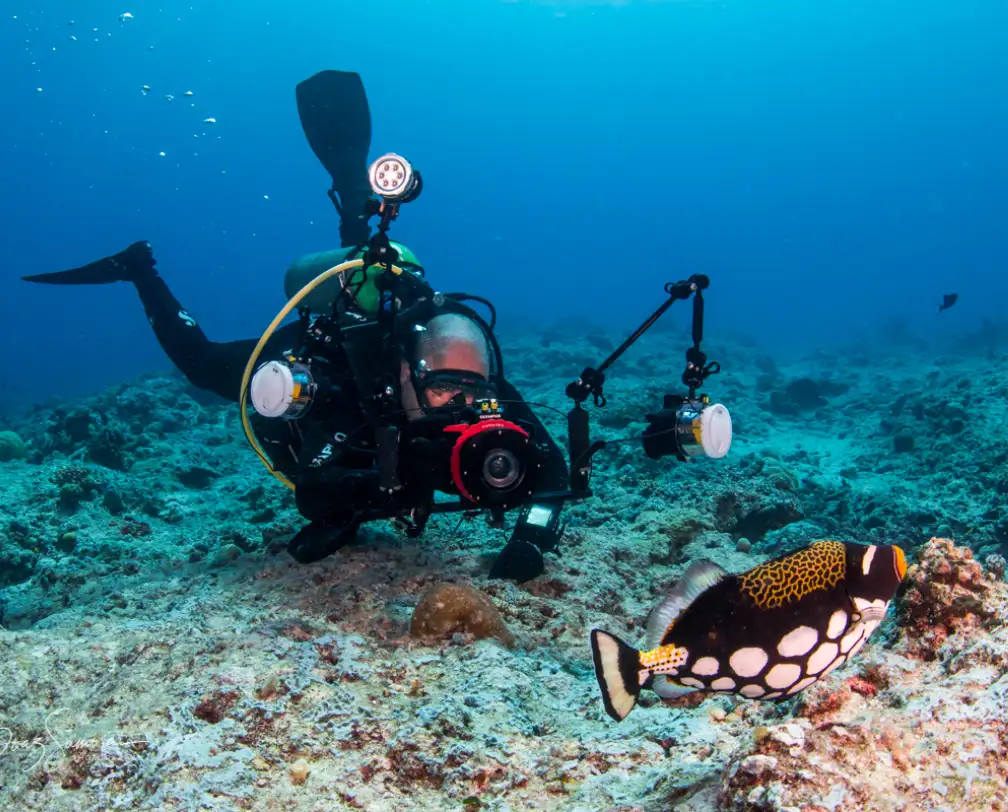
(948, 300)
(768, 633)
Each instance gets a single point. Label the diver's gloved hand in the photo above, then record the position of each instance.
(520, 561)
(522, 558)
(322, 537)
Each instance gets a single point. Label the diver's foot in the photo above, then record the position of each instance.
(129, 265)
(138, 259)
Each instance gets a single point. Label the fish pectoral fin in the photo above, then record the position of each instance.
(617, 669)
(667, 689)
(698, 578)
(872, 613)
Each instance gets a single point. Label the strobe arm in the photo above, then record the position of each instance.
(592, 379)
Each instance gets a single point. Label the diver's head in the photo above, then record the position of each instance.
(451, 355)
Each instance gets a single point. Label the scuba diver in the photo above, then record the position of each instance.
(328, 456)
(386, 395)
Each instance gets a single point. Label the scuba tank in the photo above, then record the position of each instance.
(360, 281)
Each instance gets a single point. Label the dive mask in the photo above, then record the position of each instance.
(438, 388)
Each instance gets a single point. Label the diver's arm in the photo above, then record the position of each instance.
(537, 529)
(331, 478)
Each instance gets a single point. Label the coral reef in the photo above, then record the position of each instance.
(948, 596)
(160, 650)
(12, 447)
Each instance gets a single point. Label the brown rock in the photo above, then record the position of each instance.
(448, 609)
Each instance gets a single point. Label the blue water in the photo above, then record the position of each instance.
(831, 165)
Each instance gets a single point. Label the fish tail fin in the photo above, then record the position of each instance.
(617, 666)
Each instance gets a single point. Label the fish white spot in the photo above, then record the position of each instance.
(822, 657)
(723, 684)
(774, 695)
(705, 667)
(798, 642)
(867, 559)
(693, 683)
(861, 604)
(783, 675)
(748, 662)
(801, 685)
(752, 691)
(849, 639)
(837, 624)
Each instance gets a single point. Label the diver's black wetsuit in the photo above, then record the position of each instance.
(331, 481)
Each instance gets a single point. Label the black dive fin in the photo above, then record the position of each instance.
(336, 120)
(125, 266)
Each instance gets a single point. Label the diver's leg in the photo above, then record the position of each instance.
(177, 332)
(215, 367)
(336, 119)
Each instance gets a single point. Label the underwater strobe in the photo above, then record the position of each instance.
(283, 389)
(688, 428)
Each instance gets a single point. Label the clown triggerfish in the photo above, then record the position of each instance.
(767, 633)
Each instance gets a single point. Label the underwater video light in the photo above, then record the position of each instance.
(393, 178)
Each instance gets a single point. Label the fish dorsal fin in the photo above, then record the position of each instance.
(697, 579)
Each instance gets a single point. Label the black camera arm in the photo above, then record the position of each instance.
(592, 379)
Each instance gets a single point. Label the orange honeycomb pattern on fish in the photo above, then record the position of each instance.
(775, 583)
(664, 656)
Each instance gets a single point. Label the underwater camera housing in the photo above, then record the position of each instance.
(470, 451)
